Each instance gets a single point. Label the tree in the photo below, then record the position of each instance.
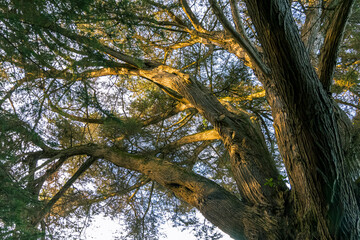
(180, 97)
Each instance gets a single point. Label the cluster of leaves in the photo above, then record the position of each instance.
(17, 206)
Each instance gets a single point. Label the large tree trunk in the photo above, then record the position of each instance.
(306, 129)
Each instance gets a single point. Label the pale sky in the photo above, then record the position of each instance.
(105, 229)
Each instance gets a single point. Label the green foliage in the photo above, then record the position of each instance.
(278, 182)
(68, 134)
(17, 206)
(114, 128)
(150, 100)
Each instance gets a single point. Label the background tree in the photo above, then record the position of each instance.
(136, 108)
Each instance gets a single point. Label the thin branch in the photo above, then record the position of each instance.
(250, 50)
(136, 186)
(39, 181)
(27, 78)
(170, 13)
(13, 123)
(182, 121)
(62, 191)
(89, 42)
(237, 20)
(357, 106)
(174, 46)
(190, 162)
(75, 118)
(311, 27)
(191, 16)
(245, 98)
(201, 59)
(148, 205)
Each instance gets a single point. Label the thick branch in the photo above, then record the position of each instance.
(311, 27)
(241, 136)
(158, 118)
(333, 38)
(237, 20)
(216, 204)
(202, 136)
(258, 169)
(208, 135)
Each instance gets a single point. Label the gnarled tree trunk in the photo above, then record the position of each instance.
(307, 130)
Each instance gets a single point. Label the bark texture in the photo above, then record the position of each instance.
(223, 209)
(251, 160)
(306, 128)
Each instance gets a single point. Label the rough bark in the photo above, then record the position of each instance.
(231, 215)
(251, 161)
(333, 38)
(306, 128)
(216, 204)
(311, 27)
